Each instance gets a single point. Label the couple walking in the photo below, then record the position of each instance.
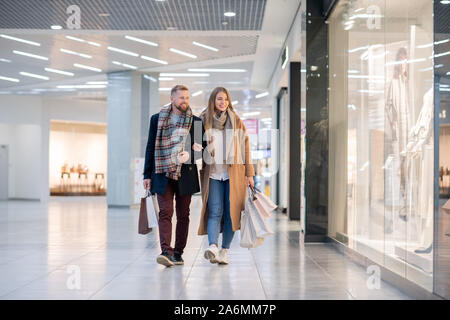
(170, 171)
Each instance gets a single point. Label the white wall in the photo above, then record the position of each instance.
(25, 127)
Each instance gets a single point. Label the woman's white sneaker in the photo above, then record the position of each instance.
(223, 256)
(212, 254)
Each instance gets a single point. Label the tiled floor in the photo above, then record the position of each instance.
(44, 246)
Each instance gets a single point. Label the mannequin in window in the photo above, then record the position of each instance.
(420, 158)
(397, 126)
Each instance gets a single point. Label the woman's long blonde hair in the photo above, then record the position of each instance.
(211, 109)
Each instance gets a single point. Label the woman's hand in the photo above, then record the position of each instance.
(249, 181)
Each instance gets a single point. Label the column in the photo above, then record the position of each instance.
(128, 102)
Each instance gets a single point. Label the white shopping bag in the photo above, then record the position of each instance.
(264, 204)
(253, 226)
(152, 211)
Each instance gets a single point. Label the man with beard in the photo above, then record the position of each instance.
(170, 170)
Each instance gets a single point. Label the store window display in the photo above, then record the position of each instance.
(382, 133)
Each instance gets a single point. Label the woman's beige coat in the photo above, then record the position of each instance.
(241, 168)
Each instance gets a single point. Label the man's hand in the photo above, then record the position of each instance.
(249, 181)
(197, 147)
(147, 184)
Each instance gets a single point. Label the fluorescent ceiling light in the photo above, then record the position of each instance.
(86, 67)
(165, 89)
(56, 27)
(81, 86)
(20, 40)
(165, 79)
(184, 74)
(216, 70)
(286, 59)
(97, 82)
(76, 53)
(82, 40)
(59, 71)
(229, 14)
(150, 78)
(75, 39)
(154, 60)
(123, 51)
(5, 60)
(197, 93)
(234, 102)
(205, 46)
(183, 53)
(32, 75)
(9, 79)
(30, 55)
(141, 41)
(129, 66)
(262, 95)
(353, 71)
(249, 114)
(94, 43)
(266, 120)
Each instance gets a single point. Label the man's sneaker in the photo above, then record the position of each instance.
(212, 254)
(223, 256)
(166, 259)
(178, 260)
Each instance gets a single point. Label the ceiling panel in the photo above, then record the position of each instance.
(198, 15)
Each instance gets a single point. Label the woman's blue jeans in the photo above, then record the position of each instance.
(219, 206)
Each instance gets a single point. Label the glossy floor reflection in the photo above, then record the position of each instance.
(43, 247)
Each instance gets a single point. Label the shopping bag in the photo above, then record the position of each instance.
(253, 226)
(263, 203)
(148, 214)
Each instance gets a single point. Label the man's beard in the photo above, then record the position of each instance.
(179, 108)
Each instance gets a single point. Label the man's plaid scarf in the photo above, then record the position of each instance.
(170, 140)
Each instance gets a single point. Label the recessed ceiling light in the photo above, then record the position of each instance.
(30, 55)
(103, 14)
(56, 27)
(197, 93)
(171, 28)
(229, 14)
(154, 60)
(215, 70)
(32, 75)
(234, 102)
(5, 60)
(262, 95)
(87, 67)
(183, 53)
(59, 71)
(165, 89)
(76, 53)
(20, 40)
(224, 23)
(205, 46)
(94, 43)
(123, 51)
(184, 74)
(153, 44)
(165, 79)
(9, 79)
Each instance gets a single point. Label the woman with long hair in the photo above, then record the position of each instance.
(226, 173)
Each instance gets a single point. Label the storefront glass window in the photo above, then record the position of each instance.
(382, 134)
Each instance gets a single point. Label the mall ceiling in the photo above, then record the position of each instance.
(142, 35)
